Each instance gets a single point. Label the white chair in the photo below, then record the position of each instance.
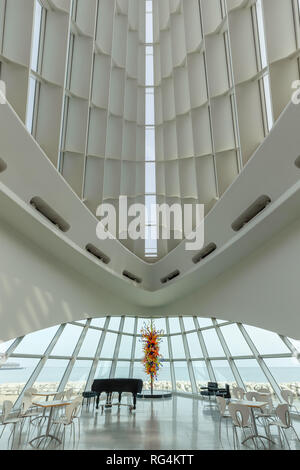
(222, 405)
(251, 396)
(27, 406)
(241, 419)
(68, 420)
(69, 394)
(262, 389)
(238, 393)
(59, 396)
(283, 423)
(6, 420)
(267, 413)
(77, 412)
(288, 396)
(27, 411)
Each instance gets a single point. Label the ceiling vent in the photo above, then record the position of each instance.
(3, 165)
(97, 253)
(43, 208)
(132, 277)
(170, 277)
(256, 208)
(297, 162)
(204, 253)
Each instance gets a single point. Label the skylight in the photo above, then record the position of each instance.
(150, 165)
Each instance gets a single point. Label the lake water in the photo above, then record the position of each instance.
(54, 374)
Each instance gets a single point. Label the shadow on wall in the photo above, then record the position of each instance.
(37, 291)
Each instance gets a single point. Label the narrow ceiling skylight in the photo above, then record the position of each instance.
(150, 166)
(264, 63)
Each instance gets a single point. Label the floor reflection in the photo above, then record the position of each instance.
(178, 423)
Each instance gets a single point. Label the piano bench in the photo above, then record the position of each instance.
(88, 396)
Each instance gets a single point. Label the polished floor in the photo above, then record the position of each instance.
(174, 424)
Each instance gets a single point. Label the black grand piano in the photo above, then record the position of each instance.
(109, 386)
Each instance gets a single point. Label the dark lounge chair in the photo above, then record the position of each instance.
(210, 390)
(224, 392)
(213, 390)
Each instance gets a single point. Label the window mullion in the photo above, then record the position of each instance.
(261, 362)
(73, 359)
(231, 363)
(40, 365)
(117, 349)
(209, 367)
(97, 356)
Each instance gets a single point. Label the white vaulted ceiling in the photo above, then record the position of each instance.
(219, 87)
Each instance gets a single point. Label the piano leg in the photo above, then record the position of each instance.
(97, 402)
(108, 400)
(134, 402)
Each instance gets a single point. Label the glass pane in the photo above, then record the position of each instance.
(51, 375)
(295, 343)
(261, 33)
(268, 98)
(265, 341)
(30, 104)
(90, 343)
(151, 216)
(109, 345)
(141, 323)
(5, 345)
(149, 26)
(164, 378)
(37, 342)
(251, 373)
(150, 107)
(103, 370)
(183, 383)
(213, 344)
(189, 323)
(79, 376)
(138, 348)
(149, 67)
(36, 35)
(139, 372)
(201, 374)
(194, 345)
(174, 325)
(129, 325)
(164, 348)
(149, 6)
(114, 324)
(286, 372)
(13, 380)
(223, 373)
(177, 347)
(66, 344)
(125, 347)
(82, 322)
(160, 324)
(150, 177)
(150, 144)
(235, 341)
(203, 322)
(98, 322)
(122, 370)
